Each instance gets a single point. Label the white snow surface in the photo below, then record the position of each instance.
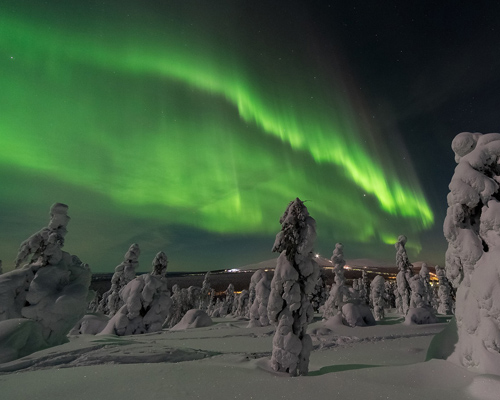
(229, 361)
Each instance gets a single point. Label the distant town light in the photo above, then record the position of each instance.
(317, 255)
(233, 270)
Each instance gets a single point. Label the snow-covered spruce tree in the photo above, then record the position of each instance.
(446, 305)
(428, 295)
(206, 292)
(177, 308)
(146, 302)
(229, 301)
(339, 293)
(256, 277)
(472, 229)
(398, 301)
(320, 293)
(377, 293)
(366, 285)
(258, 309)
(111, 301)
(404, 274)
(390, 298)
(48, 286)
(294, 278)
(240, 307)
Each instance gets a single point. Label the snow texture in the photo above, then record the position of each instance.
(293, 282)
(472, 229)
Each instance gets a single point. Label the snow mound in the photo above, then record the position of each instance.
(90, 324)
(357, 315)
(420, 316)
(20, 337)
(193, 319)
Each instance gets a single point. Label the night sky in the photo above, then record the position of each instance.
(188, 126)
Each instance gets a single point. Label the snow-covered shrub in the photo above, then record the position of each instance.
(419, 312)
(111, 301)
(472, 229)
(404, 274)
(258, 309)
(446, 304)
(146, 303)
(357, 314)
(52, 289)
(294, 279)
(377, 293)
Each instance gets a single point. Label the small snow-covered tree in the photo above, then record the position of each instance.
(404, 274)
(390, 298)
(339, 293)
(48, 286)
(206, 292)
(472, 229)
(111, 301)
(294, 279)
(240, 308)
(366, 285)
(428, 295)
(377, 293)
(146, 302)
(229, 301)
(258, 309)
(320, 293)
(446, 305)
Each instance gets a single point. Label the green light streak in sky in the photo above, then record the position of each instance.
(153, 125)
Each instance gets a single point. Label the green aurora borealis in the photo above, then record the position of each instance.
(202, 124)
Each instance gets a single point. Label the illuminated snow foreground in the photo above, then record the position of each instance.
(294, 280)
(472, 229)
(46, 294)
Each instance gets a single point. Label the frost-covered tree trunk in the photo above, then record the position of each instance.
(404, 274)
(446, 305)
(377, 293)
(146, 303)
(49, 285)
(111, 301)
(294, 279)
(472, 229)
(258, 309)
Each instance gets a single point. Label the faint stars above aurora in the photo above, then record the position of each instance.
(186, 128)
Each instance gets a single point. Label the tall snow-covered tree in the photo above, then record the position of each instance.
(472, 229)
(294, 279)
(404, 274)
(377, 294)
(111, 301)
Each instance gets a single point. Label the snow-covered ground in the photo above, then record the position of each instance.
(229, 361)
